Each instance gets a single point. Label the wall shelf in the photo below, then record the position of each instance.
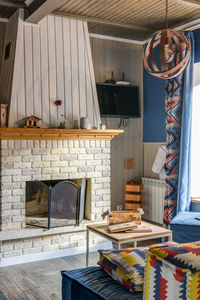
(57, 134)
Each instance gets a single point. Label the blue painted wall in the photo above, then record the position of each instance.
(154, 109)
(197, 45)
(154, 101)
(154, 105)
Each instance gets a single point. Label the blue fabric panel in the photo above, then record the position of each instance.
(93, 283)
(185, 228)
(195, 207)
(186, 218)
(185, 234)
(183, 199)
(154, 106)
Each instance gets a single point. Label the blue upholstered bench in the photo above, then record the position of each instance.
(185, 228)
(93, 283)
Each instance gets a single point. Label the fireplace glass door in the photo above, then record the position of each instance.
(63, 203)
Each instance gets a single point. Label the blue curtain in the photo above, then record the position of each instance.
(183, 197)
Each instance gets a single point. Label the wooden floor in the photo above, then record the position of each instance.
(39, 280)
(42, 280)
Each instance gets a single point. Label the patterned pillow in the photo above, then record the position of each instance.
(173, 272)
(185, 256)
(126, 266)
(165, 244)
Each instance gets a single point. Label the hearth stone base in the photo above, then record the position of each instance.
(43, 222)
(34, 240)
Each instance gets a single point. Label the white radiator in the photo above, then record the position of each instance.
(153, 202)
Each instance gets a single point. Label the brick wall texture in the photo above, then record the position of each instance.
(25, 160)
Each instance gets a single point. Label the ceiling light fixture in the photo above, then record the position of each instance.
(175, 52)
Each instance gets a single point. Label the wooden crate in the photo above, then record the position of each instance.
(134, 187)
(134, 197)
(133, 206)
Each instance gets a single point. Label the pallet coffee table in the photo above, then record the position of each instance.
(124, 238)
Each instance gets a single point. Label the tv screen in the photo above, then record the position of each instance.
(118, 100)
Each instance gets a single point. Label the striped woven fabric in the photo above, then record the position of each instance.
(173, 272)
(127, 265)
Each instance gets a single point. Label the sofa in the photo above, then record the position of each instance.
(171, 271)
(185, 227)
(93, 283)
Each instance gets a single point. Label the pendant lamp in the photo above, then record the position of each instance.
(174, 52)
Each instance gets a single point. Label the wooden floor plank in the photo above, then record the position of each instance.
(39, 280)
(10, 289)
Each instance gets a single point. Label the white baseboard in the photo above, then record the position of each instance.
(15, 260)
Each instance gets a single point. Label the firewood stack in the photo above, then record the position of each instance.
(134, 196)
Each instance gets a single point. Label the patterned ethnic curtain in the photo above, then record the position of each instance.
(173, 113)
(178, 114)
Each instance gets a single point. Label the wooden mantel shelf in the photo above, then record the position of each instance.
(57, 134)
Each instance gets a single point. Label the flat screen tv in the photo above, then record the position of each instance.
(118, 100)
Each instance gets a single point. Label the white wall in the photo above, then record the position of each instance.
(121, 57)
(150, 152)
(56, 63)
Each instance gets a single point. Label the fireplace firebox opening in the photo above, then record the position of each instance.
(56, 203)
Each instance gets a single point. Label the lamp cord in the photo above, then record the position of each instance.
(166, 20)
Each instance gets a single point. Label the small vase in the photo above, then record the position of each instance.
(84, 123)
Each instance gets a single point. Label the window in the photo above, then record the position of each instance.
(195, 137)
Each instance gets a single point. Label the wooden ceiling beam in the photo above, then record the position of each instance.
(38, 9)
(102, 21)
(191, 3)
(12, 3)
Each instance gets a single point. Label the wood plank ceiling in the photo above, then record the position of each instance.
(132, 19)
(8, 7)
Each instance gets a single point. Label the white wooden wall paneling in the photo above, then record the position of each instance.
(36, 71)
(120, 57)
(21, 104)
(90, 106)
(15, 37)
(44, 73)
(92, 78)
(57, 64)
(28, 57)
(74, 69)
(81, 63)
(10, 67)
(52, 70)
(67, 68)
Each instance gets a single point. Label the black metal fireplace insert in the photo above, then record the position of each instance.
(55, 203)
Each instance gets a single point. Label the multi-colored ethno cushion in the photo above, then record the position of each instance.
(173, 272)
(126, 266)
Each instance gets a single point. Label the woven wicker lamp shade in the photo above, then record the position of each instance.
(175, 52)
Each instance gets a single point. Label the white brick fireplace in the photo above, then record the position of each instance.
(29, 160)
(59, 66)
